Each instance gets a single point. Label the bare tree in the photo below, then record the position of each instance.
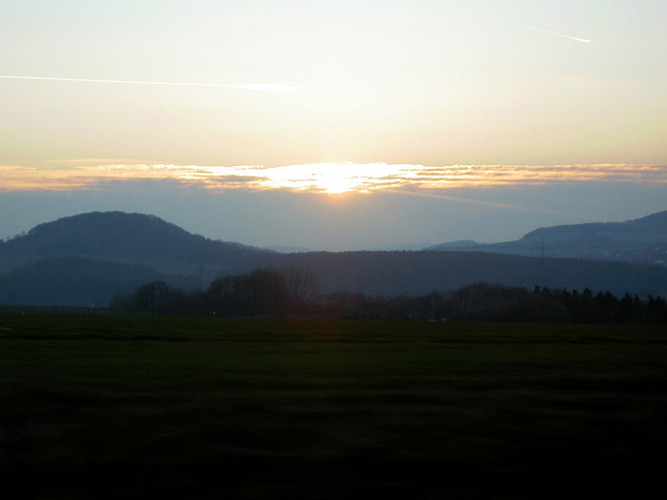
(302, 284)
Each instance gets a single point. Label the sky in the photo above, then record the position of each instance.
(336, 125)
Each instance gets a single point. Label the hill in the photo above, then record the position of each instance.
(119, 234)
(402, 272)
(86, 259)
(643, 239)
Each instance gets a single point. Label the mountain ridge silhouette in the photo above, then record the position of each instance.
(68, 260)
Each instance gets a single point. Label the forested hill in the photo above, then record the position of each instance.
(405, 272)
(639, 240)
(120, 234)
(86, 259)
(653, 226)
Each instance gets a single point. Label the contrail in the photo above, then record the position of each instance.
(249, 86)
(526, 26)
(575, 38)
(510, 206)
(254, 87)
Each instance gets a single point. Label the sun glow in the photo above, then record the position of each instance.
(331, 178)
(326, 178)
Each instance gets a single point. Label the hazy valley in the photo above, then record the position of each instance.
(85, 259)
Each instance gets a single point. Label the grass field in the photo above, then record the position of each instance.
(129, 407)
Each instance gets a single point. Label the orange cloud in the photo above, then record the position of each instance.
(323, 177)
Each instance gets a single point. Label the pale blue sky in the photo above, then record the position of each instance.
(423, 82)
(381, 220)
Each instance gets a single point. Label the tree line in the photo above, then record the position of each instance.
(500, 303)
(262, 292)
(294, 292)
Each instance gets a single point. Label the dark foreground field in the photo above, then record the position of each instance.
(111, 407)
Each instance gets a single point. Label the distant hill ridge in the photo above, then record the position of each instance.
(120, 234)
(86, 259)
(643, 239)
(654, 223)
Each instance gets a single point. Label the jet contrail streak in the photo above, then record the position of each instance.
(255, 87)
(480, 202)
(575, 38)
(526, 26)
(95, 80)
